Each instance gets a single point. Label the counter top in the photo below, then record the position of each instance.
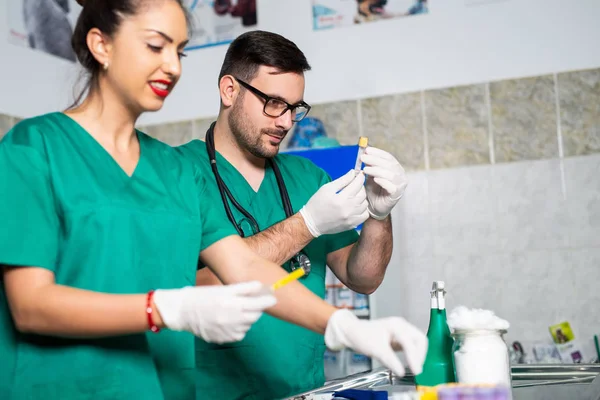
(585, 376)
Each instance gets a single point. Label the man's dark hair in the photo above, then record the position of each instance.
(253, 49)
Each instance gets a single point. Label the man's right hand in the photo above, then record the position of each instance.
(337, 206)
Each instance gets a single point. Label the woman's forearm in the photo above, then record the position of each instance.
(295, 303)
(233, 262)
(50, 309)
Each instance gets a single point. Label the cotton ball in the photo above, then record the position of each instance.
(463, 318)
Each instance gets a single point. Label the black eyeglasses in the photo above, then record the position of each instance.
(277, 107)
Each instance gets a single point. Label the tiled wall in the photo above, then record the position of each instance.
(552, 116)
(522, 239)
(503, 201)
(535, 118)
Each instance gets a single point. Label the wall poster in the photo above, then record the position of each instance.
(328, 14)
(47, 25)
(220, 21)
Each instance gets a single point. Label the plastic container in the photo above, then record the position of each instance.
(481, 357)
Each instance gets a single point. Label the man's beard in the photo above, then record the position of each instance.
(248, 137)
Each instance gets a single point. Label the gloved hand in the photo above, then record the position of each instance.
(328, 211)
(378, 339)
(217, 314)
(386, 181)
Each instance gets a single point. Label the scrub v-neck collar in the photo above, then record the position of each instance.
(105, 154)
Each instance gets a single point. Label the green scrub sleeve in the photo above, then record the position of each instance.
(30, 224)
(215, 225)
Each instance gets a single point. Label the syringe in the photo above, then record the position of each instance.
(362, 145)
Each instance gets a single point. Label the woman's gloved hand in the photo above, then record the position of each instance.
(378, 339)
(217, 314)
(386, 181)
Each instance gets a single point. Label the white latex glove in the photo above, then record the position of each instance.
(337, 206)
(386, 181)
(218, 314)
(378, 339)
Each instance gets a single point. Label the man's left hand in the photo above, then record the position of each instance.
(386, 181)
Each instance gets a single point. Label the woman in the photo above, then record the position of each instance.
(99, 215)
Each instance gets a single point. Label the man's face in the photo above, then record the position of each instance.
(255, 131)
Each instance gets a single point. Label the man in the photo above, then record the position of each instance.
(262, 87)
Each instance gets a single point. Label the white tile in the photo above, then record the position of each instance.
(463, 209)
(405, 290)
(413, 235)
(519, 185)
(456, 234)
(532, 212)
(474, 281)
(416, 196)
(582, 177)
(411, 221)
(462, 191)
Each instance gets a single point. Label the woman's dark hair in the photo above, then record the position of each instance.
(106, 15)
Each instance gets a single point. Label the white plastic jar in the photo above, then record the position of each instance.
(481, 356)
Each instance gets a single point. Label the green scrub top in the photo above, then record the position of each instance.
(68, 207)
(276, 359)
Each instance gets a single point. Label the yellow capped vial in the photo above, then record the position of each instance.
(363, 141)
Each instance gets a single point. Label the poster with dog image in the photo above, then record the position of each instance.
(328, 14)
(43, 25)
(220, 21)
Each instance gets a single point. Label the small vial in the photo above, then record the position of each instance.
(362, 145)
(502, 393)
(449, 393)
(485, 393)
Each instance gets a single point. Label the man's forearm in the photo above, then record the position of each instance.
(281, 241)
(370, 256)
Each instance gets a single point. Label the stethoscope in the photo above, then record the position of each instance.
(300, 260)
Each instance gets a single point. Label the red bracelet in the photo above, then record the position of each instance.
(151, 324)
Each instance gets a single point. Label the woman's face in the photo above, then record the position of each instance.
(145, 55)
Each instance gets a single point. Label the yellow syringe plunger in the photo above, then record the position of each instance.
(292, 276)
(363, 141)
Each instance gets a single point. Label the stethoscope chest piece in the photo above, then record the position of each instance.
(301, 260)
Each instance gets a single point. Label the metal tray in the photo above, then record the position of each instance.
(523, 377)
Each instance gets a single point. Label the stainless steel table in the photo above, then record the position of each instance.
(530, 382)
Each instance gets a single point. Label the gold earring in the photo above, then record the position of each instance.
(105, 65)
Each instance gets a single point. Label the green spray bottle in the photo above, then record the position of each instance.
(439, 365)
